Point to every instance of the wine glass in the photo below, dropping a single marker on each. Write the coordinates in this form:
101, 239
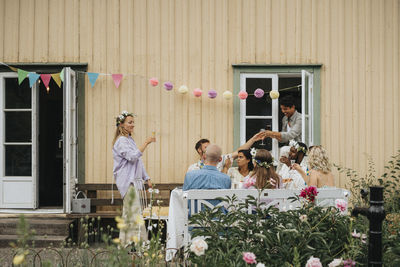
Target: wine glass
262, 141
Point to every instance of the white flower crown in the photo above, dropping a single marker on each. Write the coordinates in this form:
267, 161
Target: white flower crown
260, 163
120, 118
298, 147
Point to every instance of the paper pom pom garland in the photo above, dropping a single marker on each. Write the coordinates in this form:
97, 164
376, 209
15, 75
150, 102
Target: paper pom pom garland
259, 93
168, 86
212, 94
274, 94
197, 92
227, 95
153, 81
183, 89
243, 95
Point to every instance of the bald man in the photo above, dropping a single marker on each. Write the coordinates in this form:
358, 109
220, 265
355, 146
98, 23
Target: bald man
208, 177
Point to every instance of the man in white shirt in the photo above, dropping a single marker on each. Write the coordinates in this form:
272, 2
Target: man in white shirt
202, 144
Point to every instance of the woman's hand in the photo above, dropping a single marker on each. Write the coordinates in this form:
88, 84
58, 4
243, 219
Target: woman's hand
149, 184
296, 167
151, 139
227, 165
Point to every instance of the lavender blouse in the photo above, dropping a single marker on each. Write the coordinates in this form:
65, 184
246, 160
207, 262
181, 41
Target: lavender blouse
128, 165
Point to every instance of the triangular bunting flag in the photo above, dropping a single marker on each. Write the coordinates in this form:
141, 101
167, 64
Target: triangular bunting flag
62, 75
117, 79
21, 75
33, 78
46, 79
56, 78
12, 68
93, 77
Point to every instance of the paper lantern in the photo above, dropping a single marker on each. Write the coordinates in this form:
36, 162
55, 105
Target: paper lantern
212, 94
243, 95
153, 81
227, 95
183, 89
168, 86
197, 92
274, 94
259, 93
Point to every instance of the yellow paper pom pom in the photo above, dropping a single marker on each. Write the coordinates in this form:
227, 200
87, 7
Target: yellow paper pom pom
274, 94
183, 89
227, 95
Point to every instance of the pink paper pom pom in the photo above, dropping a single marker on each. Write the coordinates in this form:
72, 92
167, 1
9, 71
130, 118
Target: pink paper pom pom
168, 86
212, 94
259, 93
153, 81
197, 92
243, 95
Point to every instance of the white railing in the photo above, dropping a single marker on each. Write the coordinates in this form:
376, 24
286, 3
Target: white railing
195, 200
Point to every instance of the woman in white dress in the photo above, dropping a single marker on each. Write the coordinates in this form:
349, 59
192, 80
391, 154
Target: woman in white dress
245, 166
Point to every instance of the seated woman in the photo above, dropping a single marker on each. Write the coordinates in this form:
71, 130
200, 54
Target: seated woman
320, 169
263, 175
245, 165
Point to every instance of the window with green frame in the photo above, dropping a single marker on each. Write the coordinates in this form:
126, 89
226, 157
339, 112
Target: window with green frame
256, 114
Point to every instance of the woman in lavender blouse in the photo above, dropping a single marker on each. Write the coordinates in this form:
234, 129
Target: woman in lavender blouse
129, 174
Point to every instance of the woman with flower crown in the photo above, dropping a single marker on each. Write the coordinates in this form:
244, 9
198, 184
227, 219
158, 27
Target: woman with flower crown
263, 174
129, 173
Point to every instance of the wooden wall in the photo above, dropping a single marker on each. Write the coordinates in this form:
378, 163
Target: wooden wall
194, 42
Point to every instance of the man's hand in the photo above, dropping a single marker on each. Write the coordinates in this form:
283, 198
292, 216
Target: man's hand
258, 136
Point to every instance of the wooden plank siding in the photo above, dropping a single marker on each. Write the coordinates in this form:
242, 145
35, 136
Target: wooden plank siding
195, 43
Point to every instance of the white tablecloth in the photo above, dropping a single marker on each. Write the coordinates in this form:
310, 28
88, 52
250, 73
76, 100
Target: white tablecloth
175, 224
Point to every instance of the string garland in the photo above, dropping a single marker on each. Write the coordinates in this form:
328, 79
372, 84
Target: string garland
154, 82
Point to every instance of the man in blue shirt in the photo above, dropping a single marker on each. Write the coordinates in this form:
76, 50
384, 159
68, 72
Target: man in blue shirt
208, 177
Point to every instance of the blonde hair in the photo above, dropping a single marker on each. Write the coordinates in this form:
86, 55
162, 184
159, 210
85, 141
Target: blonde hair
318, 159
120, 131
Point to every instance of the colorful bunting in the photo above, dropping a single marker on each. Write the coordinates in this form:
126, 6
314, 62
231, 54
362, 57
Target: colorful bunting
62, 75
117, 79
33, 78
12, 68
46, 79
93, 77
22, 75
56, 77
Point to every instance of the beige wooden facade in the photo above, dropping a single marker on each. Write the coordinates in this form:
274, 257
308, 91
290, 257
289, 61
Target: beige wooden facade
195, 42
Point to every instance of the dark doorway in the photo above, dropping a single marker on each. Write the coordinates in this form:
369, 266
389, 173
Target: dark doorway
50, 146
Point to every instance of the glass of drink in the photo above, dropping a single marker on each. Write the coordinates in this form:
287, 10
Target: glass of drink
262, 141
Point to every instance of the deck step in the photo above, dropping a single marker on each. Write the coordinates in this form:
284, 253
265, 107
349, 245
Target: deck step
37, 242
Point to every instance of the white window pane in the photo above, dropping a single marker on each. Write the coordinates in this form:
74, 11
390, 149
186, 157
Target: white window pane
18, 160
18, 126
258, 106
17, 96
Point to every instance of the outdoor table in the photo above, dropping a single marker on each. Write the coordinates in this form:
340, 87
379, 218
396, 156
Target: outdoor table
175, 224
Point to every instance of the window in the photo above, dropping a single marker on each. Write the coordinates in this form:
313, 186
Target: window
257, 114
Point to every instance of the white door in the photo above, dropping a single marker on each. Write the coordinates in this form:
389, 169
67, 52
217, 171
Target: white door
70, 137
259, 113
307, 131
18, 143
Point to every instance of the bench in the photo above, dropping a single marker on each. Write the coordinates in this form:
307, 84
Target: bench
195, 200
100, 195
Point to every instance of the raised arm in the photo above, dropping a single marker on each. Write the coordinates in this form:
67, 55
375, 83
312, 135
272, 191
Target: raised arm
248, 144
300, 170
149, 140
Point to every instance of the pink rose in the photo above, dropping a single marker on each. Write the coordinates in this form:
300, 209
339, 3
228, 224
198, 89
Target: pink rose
249, 182
341, 204
313, 262
249, 257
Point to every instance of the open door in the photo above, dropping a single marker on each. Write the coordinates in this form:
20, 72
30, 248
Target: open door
18, 143
69, 137
307, 131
